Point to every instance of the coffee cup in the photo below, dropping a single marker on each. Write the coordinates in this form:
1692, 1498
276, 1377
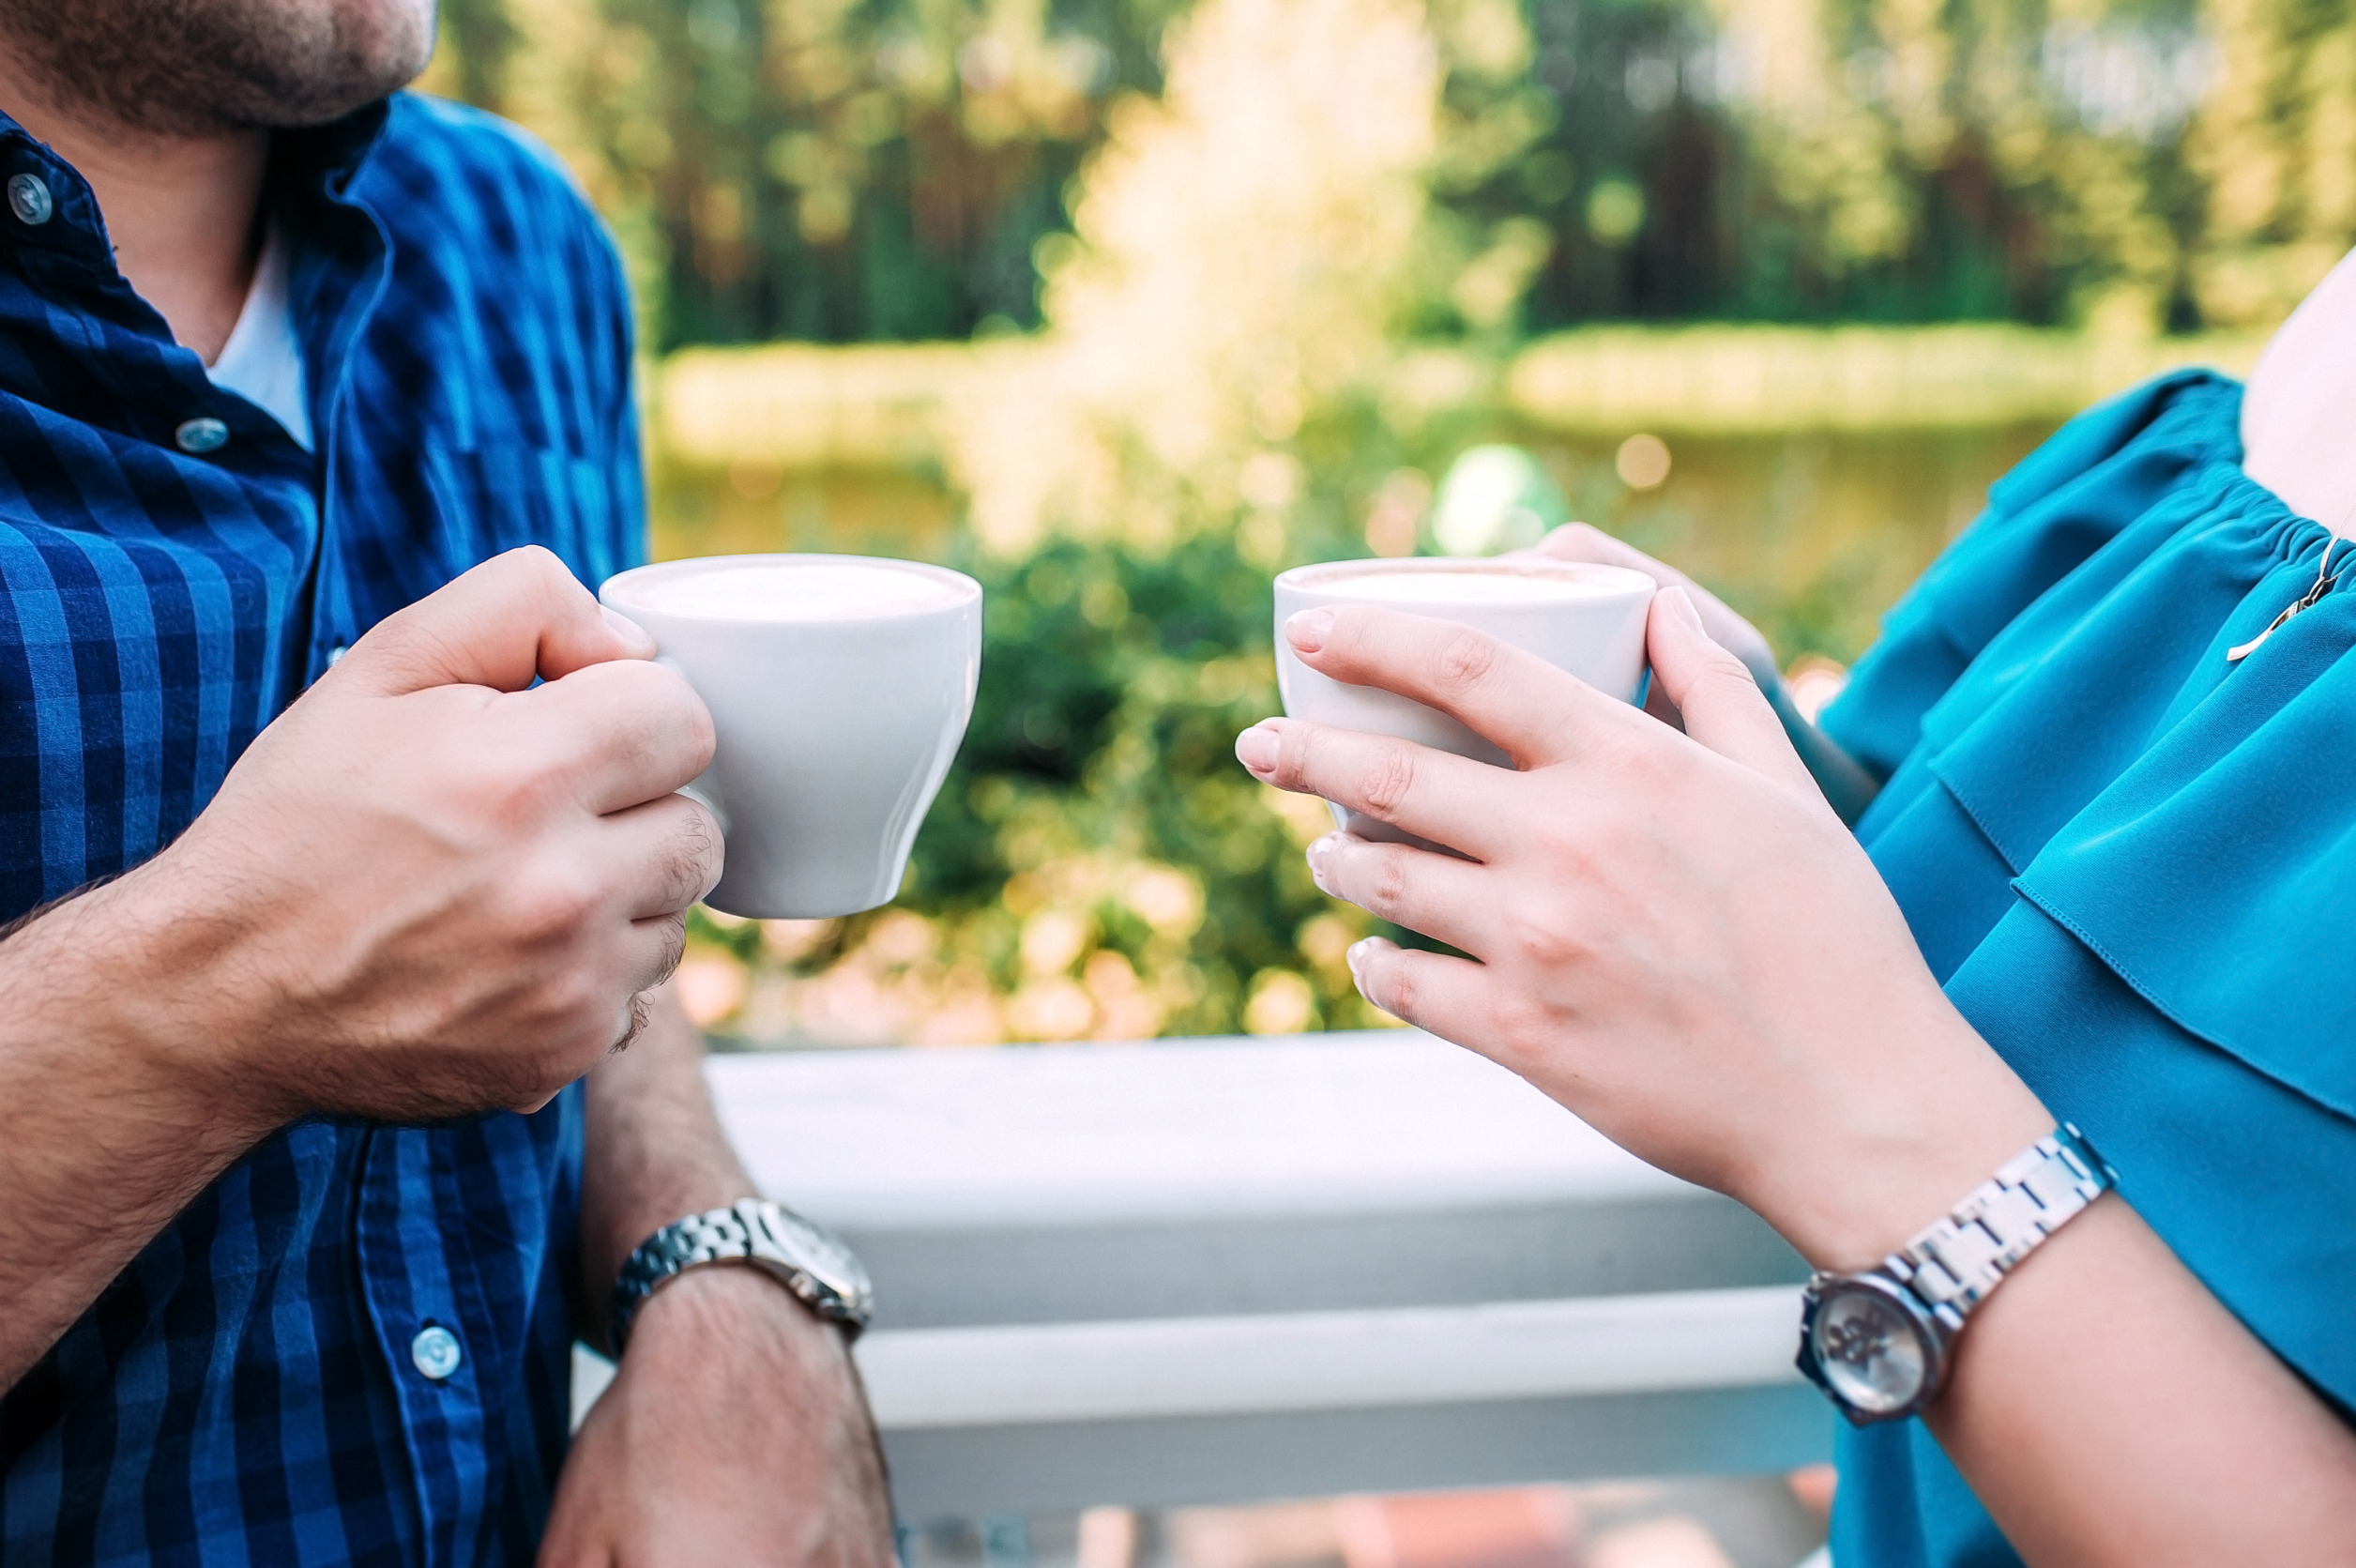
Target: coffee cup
839, 688
1586, 618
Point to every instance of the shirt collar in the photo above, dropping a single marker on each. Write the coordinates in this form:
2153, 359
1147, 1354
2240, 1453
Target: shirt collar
47, 205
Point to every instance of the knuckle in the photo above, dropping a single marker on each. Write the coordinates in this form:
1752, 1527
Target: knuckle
1542, 938
1631, 757
673, 951
1467, 658
550, 906
1386, 888
514, 788
1524, 1028
1728, 665
1560, 846
1296, 747
1390, 782
701, 737
1724, 678
538, 562
633, 1025
1400, 995
690, 867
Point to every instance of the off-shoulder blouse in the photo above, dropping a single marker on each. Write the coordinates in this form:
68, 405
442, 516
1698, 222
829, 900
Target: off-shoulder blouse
2132, 863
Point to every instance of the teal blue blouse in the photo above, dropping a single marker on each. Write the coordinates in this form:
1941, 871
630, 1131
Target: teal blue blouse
2132, 865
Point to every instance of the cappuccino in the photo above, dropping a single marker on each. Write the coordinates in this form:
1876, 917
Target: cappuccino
1464, 584
839, 688
1584, 618
789, 589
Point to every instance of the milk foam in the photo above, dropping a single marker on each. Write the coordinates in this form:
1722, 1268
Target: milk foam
795, 590
1503, 585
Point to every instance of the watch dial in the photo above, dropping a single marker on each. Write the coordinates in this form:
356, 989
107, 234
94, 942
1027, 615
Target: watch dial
1870, 1351
834, 1265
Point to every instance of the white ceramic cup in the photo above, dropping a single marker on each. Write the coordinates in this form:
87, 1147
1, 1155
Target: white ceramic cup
838, 698
1586, 620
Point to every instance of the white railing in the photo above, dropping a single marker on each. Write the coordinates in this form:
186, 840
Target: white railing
1223, 1269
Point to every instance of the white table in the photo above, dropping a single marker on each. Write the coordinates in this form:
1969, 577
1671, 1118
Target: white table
1223, 1269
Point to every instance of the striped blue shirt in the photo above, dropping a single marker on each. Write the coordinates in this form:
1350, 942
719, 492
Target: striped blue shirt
354, 1346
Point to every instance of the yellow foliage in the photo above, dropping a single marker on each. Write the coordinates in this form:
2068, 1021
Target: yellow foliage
2276, 140
1239, 249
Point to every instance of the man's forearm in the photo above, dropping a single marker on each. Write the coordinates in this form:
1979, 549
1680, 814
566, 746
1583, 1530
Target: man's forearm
105, 1133
735, 1429
656, 1151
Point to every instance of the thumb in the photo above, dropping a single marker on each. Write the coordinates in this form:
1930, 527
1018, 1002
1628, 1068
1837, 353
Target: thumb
514, 616
1722, 705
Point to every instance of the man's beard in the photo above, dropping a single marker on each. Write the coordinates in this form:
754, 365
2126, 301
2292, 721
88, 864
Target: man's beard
200, 67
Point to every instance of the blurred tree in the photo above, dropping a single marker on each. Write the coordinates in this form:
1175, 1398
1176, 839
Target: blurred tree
2275, 144
835, 170
842, 170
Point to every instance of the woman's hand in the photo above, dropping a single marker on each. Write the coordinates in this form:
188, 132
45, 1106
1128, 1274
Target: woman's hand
1671, 933
1585, 542
1848, 787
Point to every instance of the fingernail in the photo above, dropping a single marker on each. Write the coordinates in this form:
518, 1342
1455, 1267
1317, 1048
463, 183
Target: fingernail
1255, 748
1360, 951
1682, 603
634, 637
1309, 630
1319, 853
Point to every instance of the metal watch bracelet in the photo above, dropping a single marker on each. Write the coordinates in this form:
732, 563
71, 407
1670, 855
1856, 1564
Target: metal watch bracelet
810, 1260
1880, 1343
1952, 1264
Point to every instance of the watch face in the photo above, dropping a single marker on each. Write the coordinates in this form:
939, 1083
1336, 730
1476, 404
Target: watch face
1874, 1352
823, 1257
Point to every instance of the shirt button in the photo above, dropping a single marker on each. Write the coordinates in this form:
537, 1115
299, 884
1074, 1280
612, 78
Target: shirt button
435, 1351
202, 436
28, 198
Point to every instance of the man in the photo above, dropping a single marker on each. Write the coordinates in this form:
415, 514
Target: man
303, 1196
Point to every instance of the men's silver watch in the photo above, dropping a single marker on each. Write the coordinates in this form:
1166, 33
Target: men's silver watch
1880, 1343
809, 1259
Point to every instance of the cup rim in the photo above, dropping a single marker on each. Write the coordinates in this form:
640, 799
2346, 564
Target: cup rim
1623, 579
614, 591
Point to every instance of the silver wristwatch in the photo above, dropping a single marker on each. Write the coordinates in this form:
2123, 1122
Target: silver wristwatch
1880, 1343
809, 1259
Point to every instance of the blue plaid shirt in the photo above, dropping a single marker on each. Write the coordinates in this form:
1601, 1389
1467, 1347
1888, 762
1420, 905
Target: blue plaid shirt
253, 1388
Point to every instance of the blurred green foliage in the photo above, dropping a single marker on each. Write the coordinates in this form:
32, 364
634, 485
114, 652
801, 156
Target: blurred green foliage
1096, 863
1271, 263
853, 170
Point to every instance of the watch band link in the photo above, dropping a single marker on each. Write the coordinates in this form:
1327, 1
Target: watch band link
1953, 1265
754, 1231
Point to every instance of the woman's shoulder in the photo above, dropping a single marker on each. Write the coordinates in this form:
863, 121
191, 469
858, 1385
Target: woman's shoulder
2162, 427
2168, 449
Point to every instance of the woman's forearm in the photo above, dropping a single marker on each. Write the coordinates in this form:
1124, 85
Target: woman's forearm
2109, 1410
1846, 784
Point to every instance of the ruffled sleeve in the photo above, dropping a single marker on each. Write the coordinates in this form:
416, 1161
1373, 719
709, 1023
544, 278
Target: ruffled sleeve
2063, 502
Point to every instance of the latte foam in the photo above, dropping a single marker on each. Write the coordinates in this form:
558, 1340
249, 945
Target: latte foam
1502, 585
795, 590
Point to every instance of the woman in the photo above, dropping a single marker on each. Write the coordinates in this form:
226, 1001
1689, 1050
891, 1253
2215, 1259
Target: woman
2103, 873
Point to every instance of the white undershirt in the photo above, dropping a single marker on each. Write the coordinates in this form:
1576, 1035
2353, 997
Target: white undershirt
263, 360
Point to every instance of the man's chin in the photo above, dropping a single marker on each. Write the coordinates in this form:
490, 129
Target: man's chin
199, 66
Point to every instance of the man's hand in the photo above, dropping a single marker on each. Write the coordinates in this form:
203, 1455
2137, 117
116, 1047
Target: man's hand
433, 886
734, 1432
